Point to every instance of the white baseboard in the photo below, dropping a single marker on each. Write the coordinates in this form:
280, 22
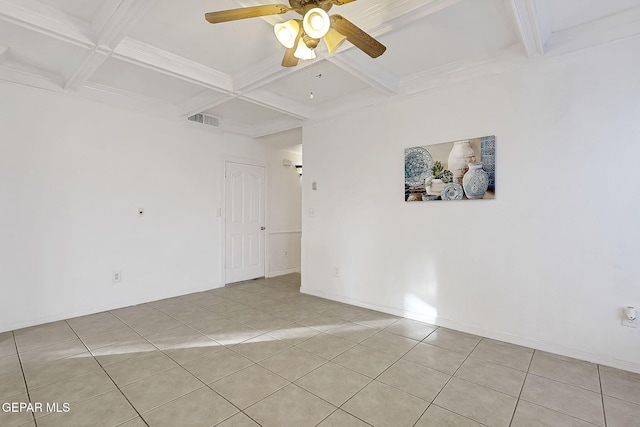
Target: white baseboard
283, 272
100, 308
549, 347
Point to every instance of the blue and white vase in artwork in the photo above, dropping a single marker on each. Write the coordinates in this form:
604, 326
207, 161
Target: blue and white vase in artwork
475, 182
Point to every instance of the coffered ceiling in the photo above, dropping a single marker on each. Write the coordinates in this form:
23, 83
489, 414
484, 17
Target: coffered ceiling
162, 56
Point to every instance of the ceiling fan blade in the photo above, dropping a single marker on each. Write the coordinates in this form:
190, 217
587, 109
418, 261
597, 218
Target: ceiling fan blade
357, 37
289, 59
246, 12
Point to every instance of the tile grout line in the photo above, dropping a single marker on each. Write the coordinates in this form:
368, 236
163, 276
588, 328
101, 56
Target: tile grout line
450, 378
189, 326
275, 373
540, 375
526, 375
246, 415
254, 364
316, 368
107, 374
434, 397
205, 385
162, 351
227, 347
348, 413
338, 407
226, 316
557, 410
286, 379
24, 377
144, 338
389, 367
604, 411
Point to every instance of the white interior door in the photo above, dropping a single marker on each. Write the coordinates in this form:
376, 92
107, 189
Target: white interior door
244, 222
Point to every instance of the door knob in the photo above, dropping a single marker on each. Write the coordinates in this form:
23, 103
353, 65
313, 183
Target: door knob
263, 228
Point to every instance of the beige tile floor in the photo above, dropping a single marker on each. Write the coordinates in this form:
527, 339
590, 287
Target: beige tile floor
261, 353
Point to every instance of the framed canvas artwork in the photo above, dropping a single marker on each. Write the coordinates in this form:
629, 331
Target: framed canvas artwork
457, 170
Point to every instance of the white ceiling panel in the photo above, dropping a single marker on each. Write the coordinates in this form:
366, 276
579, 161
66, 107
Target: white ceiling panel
39, 51
81, 9
128, 77
231, 47
325, 80
565, 14
461, 31
245, 112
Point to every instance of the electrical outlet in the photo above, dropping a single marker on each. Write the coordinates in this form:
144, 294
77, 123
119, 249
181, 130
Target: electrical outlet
336, 272
286, 253
630, 317
116, 277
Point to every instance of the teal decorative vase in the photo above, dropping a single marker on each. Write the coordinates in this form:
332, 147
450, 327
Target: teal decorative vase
475, 182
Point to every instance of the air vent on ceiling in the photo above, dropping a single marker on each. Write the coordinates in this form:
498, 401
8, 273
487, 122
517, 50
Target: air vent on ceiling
205, 120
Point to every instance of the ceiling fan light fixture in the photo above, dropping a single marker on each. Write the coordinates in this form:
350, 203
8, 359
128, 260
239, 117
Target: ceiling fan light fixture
303, 52
333, 39
316, 23
301, 36
287, 32
309, 42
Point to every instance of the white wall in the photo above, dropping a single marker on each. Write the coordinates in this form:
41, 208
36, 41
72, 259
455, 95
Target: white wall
284, 197
548, 264
73, 174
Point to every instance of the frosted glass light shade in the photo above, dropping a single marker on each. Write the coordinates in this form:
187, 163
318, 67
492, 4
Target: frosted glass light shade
333, 40
303, 52
316, 23
287, 32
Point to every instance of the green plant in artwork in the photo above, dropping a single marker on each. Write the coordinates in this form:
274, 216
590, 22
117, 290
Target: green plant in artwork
439, 172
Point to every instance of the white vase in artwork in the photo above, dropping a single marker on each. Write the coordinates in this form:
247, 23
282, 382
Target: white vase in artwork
434, 187
475, 181
459, 158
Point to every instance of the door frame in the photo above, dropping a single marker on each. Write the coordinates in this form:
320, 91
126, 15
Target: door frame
223, 222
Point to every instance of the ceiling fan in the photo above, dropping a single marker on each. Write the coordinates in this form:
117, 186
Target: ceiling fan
302, 36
